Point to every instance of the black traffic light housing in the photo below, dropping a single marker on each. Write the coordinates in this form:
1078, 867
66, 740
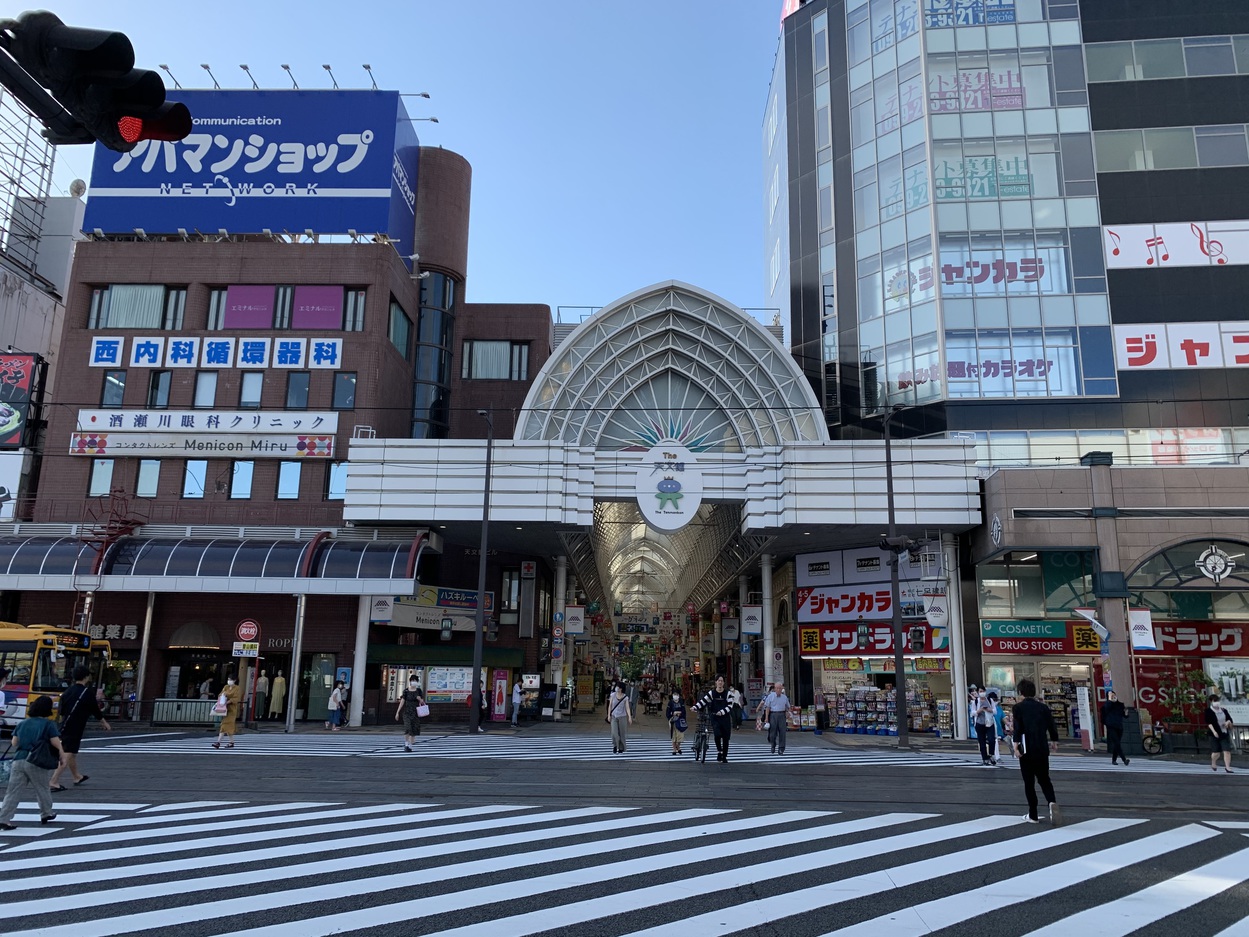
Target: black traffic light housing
91, 75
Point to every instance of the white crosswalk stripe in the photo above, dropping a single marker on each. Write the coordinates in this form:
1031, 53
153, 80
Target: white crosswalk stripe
306, 869
746, 749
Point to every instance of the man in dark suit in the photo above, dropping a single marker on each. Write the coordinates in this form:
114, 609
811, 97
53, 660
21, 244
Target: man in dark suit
1035, 736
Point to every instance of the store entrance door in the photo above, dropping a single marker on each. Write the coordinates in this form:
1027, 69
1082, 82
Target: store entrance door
1059, 682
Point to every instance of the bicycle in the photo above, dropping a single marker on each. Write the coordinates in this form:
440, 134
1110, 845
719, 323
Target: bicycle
702, 736
1151, 743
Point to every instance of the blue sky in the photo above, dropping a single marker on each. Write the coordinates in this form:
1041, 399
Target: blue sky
613, 144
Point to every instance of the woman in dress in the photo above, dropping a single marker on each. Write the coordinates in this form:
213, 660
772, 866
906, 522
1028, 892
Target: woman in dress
229, 722
717, 703
410, 700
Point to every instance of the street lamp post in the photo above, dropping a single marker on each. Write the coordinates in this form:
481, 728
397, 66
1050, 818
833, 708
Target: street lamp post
896, 547
474, 716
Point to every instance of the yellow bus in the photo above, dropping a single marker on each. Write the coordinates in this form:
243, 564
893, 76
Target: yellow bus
41, 660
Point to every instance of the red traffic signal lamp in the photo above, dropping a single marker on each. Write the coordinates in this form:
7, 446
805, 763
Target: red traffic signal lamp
91, 74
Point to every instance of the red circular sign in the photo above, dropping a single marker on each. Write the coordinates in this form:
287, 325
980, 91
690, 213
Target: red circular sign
248, 630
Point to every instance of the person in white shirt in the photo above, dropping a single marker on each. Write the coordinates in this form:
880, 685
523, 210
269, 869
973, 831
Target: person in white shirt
774, 709
516, 696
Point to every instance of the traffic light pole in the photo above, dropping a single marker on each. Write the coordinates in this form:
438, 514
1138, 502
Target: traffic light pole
895, 561
474, 716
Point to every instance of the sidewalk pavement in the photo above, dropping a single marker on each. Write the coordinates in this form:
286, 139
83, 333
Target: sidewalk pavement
592, 723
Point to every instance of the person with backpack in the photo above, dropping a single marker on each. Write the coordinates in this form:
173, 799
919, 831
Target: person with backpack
986, 727
78, 704
1035, 736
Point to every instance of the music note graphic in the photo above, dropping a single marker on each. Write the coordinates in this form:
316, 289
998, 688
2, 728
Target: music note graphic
1117, 240
1157, 242
1211, 248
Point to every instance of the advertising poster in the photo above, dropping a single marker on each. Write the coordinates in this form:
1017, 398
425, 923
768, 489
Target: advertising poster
17, 379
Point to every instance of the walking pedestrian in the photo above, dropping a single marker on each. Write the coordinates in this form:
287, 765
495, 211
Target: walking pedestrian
1113, 714
36, 737
677, 720
619, 717
774, 709
716, 702
78, 704
985, 725
411, 701
335, 707
739, 703
262, 695
517, 695
229, 722
1219, 725
1035, 736
973, 702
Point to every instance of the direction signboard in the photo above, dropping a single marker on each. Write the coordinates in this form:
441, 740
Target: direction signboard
246, 649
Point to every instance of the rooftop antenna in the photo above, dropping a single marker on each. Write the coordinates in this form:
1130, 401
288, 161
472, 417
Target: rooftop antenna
287, 69
331, 74
255, 87
165, 69
216, 87
369, 69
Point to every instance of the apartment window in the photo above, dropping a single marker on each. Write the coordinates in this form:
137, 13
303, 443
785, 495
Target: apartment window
1222, 146
336, 481
353, 311
250, 388
297, 384
495, 361
158, 384
510, 599
288, 480
344, 390
137, 306
194, 475
101, 478
241, 479
400, 329
216, 309
149, 478
114, 392
205, 389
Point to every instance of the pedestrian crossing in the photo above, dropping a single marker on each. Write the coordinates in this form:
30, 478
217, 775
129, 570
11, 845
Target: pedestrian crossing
745, 748
312, 868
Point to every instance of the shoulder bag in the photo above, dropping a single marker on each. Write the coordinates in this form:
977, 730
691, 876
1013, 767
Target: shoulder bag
43, 755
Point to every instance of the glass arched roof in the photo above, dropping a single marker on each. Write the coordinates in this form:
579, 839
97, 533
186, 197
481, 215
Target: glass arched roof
671, 363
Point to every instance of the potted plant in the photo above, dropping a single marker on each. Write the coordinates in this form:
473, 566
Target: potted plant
1183, 702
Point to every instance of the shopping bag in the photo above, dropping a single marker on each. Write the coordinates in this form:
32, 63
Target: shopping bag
422, 711
222, 706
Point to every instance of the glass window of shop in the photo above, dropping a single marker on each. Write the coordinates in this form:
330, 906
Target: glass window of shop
1035, 584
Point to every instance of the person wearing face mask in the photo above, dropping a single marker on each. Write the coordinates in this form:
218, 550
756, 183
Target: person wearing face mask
619, 717
678, 721
411, 701
232, 695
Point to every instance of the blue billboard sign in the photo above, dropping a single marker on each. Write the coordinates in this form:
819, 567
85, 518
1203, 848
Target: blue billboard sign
328, 161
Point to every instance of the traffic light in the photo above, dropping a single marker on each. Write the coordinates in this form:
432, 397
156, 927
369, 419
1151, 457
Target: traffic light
91, 74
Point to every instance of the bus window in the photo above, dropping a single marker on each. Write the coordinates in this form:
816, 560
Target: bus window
53, 676
18, 664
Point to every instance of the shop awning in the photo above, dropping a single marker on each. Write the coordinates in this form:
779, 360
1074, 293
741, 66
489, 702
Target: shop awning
320, 565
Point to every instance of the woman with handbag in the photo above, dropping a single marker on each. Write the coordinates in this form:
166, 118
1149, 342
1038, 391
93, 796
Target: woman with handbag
619, 717
229, 700
412, 707
39, 752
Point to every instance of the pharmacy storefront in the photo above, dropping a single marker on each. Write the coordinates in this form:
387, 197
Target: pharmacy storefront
845, 630
1059, 657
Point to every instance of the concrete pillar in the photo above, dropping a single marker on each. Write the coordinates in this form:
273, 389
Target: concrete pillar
560, 599
355, 702
770, 675
958, 656
743, 598
297, 649
143, 651
1110, 610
